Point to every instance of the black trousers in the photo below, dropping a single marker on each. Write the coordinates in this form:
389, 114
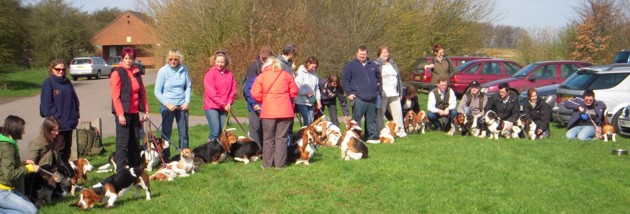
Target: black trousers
63, 143
127, 142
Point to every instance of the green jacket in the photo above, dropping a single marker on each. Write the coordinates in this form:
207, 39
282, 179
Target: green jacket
11, 171
42, 152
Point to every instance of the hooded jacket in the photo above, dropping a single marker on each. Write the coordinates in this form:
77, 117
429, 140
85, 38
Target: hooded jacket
11, 172
219, 88
307, 82
58, 99
574, 104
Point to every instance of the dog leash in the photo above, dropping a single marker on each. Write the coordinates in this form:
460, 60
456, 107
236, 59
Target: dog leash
151, 138
237, 122
162, 133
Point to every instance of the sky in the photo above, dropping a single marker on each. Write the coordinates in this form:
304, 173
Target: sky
517, 13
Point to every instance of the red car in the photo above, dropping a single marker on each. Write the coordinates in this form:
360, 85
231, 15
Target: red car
482, 70
536, 75
421, 78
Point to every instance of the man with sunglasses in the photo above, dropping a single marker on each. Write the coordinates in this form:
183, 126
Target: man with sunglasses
587, 117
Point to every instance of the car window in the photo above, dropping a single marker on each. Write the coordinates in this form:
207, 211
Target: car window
511, 68
525, 71
80, 61
473, 69
567, 69
545, 72
605, 81
491, 68
577, 81
622, 57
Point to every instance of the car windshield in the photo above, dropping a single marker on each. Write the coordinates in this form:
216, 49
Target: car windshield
525, 71
622, 57
80, 61
462, 66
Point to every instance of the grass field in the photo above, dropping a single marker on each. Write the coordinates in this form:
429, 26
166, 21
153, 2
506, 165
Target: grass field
430, 173
17, 82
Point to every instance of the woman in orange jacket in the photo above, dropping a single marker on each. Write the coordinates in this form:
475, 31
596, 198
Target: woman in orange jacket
275, 89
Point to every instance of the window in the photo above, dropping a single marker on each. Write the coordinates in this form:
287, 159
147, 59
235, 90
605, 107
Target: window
567, 70
511, 68
545, 72
606, 81
491, 68
473, 69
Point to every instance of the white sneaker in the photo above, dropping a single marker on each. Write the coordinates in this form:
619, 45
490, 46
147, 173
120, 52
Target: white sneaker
401, 134
373, 141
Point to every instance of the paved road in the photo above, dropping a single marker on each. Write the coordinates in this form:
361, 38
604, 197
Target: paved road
95, 99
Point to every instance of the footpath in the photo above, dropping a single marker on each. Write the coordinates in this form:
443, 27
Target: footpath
95, 102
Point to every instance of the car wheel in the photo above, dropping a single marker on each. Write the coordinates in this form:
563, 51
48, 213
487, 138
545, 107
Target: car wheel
615, 121
98, 74
75, 78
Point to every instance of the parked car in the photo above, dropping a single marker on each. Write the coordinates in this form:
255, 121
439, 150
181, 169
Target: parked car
611, 84
421, 77
537, 74
624, 121
546, 93
115, 60
482, 70
622, 57
89, 67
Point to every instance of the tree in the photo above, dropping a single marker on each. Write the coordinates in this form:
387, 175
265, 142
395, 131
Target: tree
10, 31
599, 22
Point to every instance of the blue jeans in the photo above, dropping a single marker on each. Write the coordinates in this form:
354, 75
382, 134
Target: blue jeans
583, 133
366, 109
15, 202
216, 121
306, 112
434, 118
167, 127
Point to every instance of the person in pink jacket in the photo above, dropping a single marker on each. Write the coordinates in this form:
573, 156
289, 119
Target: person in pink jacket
219, 93
275, 89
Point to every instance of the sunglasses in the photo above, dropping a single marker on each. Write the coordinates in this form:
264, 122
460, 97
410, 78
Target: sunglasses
60, 69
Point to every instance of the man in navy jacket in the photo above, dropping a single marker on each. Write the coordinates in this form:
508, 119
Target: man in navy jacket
362, 83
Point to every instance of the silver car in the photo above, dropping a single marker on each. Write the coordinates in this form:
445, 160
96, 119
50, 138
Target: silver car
624, 121
89, 67
611, 84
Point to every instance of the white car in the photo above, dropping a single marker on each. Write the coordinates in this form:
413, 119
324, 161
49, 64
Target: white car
89, 67
611, 84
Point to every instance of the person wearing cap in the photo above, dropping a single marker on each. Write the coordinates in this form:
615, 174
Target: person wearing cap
442, 103
473, 101
539, 112
587, 117
253, 107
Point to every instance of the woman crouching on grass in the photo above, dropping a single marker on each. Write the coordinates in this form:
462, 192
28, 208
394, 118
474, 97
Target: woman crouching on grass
42, 150
275, 89
12, 173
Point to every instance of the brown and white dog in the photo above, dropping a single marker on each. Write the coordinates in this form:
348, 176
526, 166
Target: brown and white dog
352, 147
185, 164
116, 186
527, 126
408, 120
242, 149
496, 127
330, 134
608, 130
388, 134
75, 170
151, 154
420, 121
302, 147
465, 124
212, 151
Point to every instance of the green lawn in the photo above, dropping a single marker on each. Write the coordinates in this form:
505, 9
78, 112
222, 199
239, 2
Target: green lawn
17, 82
430, 173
